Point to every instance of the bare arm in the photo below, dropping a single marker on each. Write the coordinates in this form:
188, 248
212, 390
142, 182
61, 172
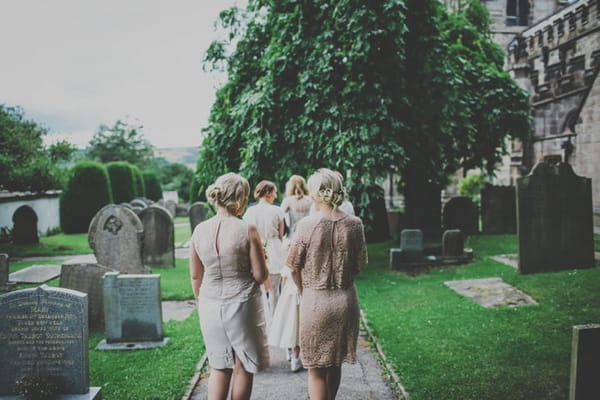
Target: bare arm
196, 271
258, 264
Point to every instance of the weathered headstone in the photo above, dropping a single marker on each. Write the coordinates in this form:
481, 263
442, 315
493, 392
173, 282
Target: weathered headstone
410, 253
453, 243
132, 310
198, 212
44, 332
159, 237
116, 236
25, 229
461, 213
5, 284
87, 278
554, 219
585, 362
171, 206
138, 202
499, 209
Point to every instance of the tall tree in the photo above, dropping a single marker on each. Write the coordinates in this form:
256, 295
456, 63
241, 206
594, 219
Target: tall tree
26, 164
121, 142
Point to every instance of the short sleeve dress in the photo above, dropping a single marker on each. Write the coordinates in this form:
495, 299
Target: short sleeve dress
232, 318
329, 254
266, 217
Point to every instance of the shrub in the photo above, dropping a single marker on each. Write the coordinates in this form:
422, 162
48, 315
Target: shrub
87, 191
471, 187
153, 188
121, 181
138, 182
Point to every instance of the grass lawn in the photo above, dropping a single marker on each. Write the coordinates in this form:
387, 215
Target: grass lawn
445, 346
54, 245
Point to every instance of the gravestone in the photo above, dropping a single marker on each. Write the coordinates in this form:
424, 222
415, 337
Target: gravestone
5, 284
410, 253
126, 205
499, 209
25, 229
159, 237
132, 311
87, 278
461, 213
44, 332
138, 202
171, 206
491, 292
585, 362
116, 236
198, 212
554, 219
453, 243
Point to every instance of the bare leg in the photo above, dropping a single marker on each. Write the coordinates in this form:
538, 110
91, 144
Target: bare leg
218, 384
317, 383
333, 377
296, 351
241, 387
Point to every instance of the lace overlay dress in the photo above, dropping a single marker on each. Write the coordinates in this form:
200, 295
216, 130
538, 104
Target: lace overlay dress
329, 254
230, 307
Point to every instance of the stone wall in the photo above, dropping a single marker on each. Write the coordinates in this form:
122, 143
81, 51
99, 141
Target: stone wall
45, 206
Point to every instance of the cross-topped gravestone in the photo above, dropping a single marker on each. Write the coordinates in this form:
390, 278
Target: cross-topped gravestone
554, 214
116, 236
198, 212
44, 332
159, 237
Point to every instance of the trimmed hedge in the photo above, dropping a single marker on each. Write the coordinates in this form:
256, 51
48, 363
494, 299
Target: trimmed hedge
138, 182
153, 187
121, 181
87, 191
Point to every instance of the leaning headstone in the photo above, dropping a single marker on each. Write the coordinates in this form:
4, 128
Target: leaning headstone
198, 212
410, 253
159, 237
132, 312
499, 209
461, 213
116, 236
554, 219
585, 362
44, 334
171, 205
25, 229
87, 278
5, 284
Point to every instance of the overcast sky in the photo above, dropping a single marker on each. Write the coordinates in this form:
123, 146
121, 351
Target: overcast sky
75, 64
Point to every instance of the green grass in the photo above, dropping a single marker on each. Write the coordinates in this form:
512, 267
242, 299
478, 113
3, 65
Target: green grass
597, 242
54, 245
175, 282
445, 346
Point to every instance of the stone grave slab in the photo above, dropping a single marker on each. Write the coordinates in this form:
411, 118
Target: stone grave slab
177, 310
512, 260
44, 331
491, 292
36, 274
585, 362
132, 312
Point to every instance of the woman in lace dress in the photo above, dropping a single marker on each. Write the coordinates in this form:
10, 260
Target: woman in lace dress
268, 219
325, 256
227, 265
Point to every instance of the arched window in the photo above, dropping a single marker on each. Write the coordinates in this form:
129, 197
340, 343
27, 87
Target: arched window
517, 12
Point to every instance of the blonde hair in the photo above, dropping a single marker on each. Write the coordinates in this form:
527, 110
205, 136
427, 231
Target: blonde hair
326, 186
230, 191
263, 188
296, 186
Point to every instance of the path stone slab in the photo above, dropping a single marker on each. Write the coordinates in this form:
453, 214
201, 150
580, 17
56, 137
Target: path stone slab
512, 260
491, 292
177, 310
36, 274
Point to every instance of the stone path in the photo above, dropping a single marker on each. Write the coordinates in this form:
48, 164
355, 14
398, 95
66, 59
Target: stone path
360, 381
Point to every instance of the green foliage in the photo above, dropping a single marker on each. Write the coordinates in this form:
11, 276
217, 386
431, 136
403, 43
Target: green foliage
121, 181
138, 182
152, 185
87, 191
471, 186
25, 163
178, 177
121, 142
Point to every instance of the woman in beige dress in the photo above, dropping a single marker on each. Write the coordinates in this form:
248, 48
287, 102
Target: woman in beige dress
325, 256
227, 265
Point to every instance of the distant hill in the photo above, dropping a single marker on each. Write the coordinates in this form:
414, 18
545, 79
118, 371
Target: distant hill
181, 155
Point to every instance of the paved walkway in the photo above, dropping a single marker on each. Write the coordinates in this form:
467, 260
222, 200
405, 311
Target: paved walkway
360, 381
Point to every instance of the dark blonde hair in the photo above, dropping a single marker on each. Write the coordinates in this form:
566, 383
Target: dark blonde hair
230, 191
263, 188
326, 186
296, 186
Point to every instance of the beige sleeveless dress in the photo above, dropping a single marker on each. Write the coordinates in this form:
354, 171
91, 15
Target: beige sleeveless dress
329, 254
230, 307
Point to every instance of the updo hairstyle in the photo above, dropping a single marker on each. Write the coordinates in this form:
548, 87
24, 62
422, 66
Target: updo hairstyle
326, 186
229, 191
264, 188
296, 186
